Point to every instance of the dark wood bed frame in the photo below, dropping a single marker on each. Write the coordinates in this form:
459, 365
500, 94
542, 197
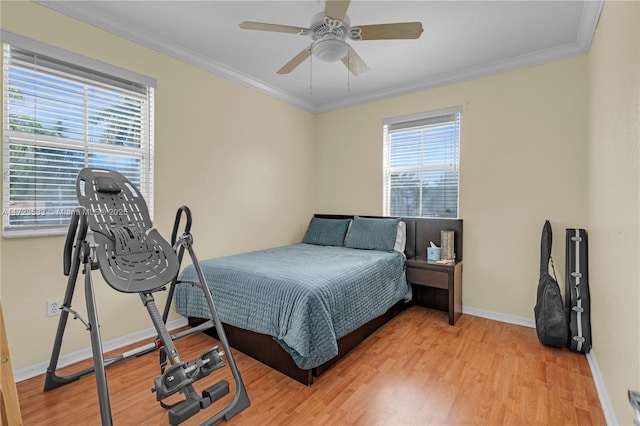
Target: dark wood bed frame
263, 348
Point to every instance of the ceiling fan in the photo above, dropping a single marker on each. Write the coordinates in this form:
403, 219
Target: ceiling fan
329, 31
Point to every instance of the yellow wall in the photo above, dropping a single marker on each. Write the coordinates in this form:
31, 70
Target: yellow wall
522, 160
240, 159
614, 199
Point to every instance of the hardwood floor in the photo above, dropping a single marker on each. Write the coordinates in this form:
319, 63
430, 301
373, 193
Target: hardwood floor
418, 370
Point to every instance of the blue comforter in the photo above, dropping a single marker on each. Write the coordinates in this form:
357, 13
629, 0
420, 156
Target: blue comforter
305, 296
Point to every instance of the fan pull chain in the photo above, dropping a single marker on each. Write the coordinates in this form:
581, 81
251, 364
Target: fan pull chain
311, 75
348, 71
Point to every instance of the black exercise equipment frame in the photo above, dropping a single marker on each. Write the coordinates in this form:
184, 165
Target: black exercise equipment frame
80, 253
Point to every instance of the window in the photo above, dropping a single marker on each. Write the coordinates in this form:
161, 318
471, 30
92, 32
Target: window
421, 158
61, 116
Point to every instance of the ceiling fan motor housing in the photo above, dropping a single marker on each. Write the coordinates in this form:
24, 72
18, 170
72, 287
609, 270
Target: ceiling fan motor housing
329, 37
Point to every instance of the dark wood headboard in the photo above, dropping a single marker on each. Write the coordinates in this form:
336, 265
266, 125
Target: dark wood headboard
420, 231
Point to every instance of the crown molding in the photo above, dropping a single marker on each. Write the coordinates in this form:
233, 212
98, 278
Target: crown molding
512, 64
96, 18
588, 23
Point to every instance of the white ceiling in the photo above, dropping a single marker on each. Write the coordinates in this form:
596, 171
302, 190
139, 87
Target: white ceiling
461, 40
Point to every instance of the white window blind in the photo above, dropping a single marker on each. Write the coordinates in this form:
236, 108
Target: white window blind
58, 118
421, 162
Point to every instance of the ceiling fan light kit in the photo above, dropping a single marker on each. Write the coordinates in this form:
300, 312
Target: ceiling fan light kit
329, 33
329, 48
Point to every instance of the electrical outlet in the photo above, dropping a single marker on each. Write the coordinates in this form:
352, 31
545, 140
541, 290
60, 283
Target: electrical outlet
53, 307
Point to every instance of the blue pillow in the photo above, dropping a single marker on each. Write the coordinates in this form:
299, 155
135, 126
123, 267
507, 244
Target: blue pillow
373, 234
326, 232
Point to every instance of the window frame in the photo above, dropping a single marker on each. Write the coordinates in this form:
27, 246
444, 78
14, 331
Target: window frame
430, 117
114, 83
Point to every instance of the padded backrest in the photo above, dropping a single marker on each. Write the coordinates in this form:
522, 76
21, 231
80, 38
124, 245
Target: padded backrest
111, 200
132, 256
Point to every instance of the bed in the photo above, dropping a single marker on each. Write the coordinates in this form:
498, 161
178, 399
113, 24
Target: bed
300, 308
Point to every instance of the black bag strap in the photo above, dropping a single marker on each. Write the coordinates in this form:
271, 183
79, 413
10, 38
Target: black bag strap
553, 268
545, 249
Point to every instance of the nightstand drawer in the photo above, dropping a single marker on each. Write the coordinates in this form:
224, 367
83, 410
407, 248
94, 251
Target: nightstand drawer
435, 279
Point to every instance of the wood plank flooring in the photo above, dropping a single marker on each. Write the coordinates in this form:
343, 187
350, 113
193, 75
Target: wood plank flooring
417, 370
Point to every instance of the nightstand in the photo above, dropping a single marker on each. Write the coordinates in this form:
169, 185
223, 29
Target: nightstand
436, 286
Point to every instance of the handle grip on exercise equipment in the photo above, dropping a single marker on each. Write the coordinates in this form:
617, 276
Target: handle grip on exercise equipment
72, 232
176, 224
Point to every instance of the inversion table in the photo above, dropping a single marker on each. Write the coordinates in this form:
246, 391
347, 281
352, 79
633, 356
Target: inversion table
134, 258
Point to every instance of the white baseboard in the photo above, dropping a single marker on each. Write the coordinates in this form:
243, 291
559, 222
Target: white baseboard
605, 402
80, 355
498, 316
603, 395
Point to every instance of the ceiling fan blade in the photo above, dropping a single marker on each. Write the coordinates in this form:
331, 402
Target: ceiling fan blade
354, 62
404, 30
336, 9
297, 60
262, 26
